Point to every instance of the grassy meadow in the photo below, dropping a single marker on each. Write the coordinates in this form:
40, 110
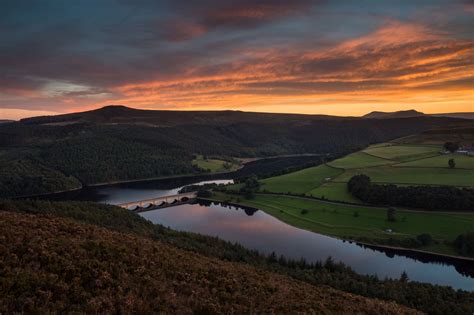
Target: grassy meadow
214, 165
403, 152
358, 160
414, 176
301, 181
384, 163
441, 161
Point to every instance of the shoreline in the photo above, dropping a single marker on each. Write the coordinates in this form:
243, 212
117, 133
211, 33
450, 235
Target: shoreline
376, 246
413, 250
362, 205
48, 193
119, 182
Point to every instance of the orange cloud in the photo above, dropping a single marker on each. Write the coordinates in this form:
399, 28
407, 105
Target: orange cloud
402, 65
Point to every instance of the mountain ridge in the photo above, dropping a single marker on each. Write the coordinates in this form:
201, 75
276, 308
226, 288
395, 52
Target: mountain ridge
123, 114
397, 114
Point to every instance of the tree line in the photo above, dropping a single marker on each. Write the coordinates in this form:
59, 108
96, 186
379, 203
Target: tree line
447, 198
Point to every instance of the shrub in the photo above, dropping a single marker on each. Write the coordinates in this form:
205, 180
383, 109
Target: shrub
204, 193
391, 214
452, 163
424, 239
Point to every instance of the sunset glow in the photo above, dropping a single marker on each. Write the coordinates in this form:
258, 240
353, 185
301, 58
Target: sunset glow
320, 57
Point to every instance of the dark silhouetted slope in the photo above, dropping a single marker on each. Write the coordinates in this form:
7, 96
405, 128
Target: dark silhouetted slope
466, 115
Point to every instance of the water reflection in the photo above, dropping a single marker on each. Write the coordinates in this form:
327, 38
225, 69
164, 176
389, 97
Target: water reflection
126, 192
464, 267
257, 230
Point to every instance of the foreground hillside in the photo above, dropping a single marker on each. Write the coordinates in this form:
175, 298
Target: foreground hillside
56, 265
115, 143
424, 297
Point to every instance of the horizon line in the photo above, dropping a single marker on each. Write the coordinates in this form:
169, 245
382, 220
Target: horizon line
50, 114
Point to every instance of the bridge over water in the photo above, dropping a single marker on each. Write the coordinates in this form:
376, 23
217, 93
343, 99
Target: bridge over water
159, 202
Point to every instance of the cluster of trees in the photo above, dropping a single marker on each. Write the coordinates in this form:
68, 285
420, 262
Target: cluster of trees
426, 197
424, 297
451, 146
417, 242
190, 188
464, 243
250, 186
23, 177
104, 159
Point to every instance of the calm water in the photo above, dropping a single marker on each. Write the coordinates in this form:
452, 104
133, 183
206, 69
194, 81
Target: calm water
257, 230
126, 192
265, 233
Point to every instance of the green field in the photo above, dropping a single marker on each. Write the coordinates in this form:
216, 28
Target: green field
410, 165
462, 161
338, 220
302, 181
334, 191
403, 152
359, 160
418, 176
214, 165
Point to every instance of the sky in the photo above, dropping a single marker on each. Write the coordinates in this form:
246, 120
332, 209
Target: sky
300, 56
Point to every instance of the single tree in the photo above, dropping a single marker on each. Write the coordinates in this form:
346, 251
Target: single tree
391, 214
404, 277
356, 214
452, 163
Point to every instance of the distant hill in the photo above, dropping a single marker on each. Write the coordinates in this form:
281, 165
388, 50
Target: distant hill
466, 115
464, 135
118, 114
399, 114
415, 113
4, 121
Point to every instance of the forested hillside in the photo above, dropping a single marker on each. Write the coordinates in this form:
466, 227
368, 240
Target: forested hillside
118, 143
127, 263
